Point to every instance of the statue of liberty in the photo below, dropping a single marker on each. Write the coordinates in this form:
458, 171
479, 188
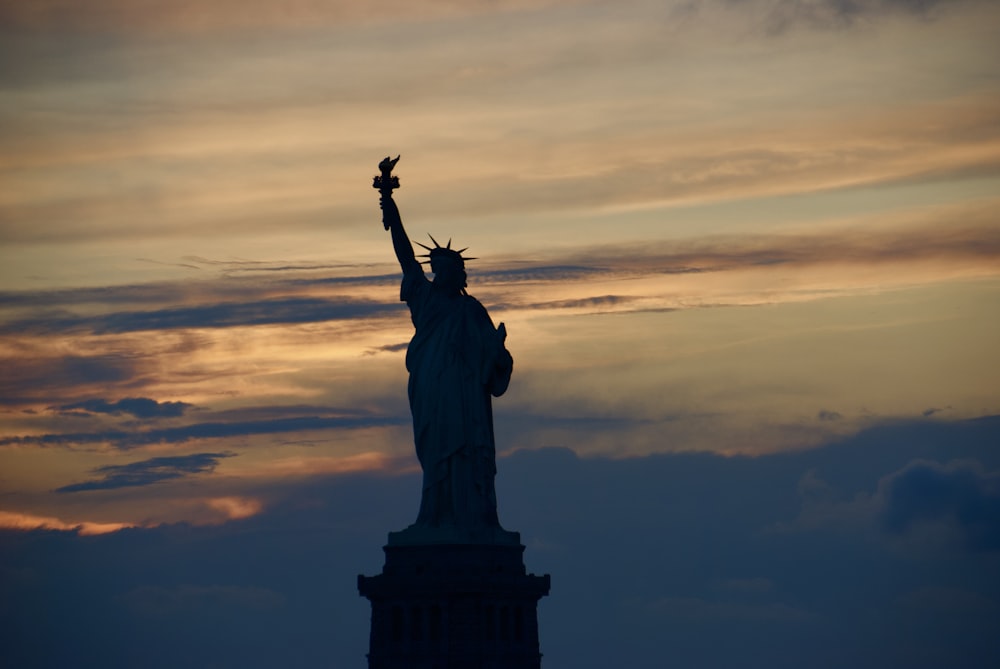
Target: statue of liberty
457, 360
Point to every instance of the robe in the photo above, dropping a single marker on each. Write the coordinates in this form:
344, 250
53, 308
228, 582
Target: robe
456, 361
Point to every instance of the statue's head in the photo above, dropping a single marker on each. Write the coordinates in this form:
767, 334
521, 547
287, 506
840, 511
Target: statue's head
448, 266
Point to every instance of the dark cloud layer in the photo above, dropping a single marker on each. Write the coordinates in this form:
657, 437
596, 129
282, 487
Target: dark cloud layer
33, 378
541, 273
598, 302
733, 252
264, 312
153, 293
140, 407
221, 290
124, 440
783, 15
148, 471
186, 18
667, 555
390, 348
232, 302
960, 494
125, 19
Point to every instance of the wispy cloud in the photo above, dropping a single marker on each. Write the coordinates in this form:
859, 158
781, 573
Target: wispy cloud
589, 303
941, 238
225, 17
140, 407
195, 18
708, 134
124, 440
199, 511
237, 266
31, 374
225, 286
26, 521
936, 236
195, 186
146, 472
781, 15
390, 348
265, 312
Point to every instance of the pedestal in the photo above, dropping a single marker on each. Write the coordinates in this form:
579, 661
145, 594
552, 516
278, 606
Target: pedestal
458, 606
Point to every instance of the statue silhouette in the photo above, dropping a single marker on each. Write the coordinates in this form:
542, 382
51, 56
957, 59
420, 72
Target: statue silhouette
457, 360
454, 591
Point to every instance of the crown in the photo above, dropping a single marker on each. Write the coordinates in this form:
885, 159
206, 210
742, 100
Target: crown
438, 251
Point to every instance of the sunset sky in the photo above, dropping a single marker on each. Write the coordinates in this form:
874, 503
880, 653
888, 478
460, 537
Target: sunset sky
747, 253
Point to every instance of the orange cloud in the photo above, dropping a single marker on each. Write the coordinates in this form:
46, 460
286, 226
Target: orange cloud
319, 465
24, 521
196, 511
235, 508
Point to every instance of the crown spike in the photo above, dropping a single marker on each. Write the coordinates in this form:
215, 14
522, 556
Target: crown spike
463, 250
422, 245
449, 243
434, 240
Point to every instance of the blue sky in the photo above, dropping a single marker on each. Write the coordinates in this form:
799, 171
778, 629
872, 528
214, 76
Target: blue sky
746, 253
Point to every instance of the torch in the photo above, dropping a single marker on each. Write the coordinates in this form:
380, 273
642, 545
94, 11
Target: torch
385, 183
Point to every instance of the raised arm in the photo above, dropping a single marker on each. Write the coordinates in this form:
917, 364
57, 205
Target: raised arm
400, 241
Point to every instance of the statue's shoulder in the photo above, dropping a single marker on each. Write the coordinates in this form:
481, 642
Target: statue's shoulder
472, 302
414, 286
475, 307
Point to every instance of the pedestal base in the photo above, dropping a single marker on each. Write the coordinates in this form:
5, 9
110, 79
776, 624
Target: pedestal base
462, 606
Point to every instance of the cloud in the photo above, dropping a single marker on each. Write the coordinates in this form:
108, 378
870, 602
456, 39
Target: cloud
26, 373
961, 494
235, 508
784, 14
541, 272
226, 17
888, 245
182, 304
682, 534
596, 302
390, 348
140, 407
25, 522
146, 472
124, 440
147, 293
619, 168
231, 285
196, 511
933, 252
187, 18
264, 312
924, 503
934, 238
